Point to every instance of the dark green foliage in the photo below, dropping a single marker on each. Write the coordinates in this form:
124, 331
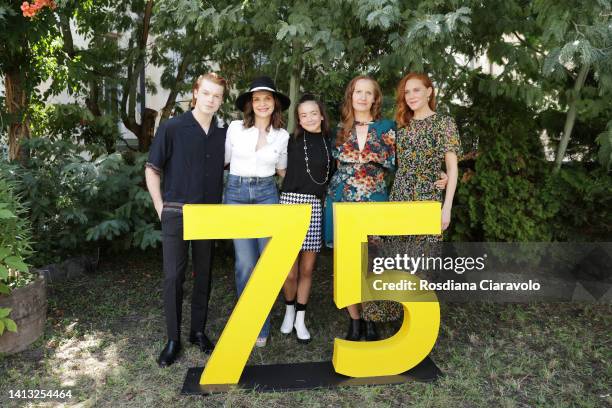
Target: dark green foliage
604, 140
75, 123
535, 52
503, 200
15, 233
509, 193
15, 243
585, 204
80, 200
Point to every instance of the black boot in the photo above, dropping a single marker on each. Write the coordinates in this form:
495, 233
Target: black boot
202, 341
371, 334
169, 353
355, 330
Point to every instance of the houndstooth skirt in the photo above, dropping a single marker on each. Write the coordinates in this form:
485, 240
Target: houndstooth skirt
314, 237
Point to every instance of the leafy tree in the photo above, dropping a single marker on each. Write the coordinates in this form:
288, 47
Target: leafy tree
556, 57
578, 40
108, 72
292, 42
504, 198
548, 60
187, 36
22, 45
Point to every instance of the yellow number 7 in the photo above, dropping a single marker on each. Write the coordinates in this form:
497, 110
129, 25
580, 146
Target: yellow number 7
287, 226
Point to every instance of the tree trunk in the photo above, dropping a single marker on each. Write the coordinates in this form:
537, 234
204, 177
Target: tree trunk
570, 119
146, 129
67, 35
135, 70
93, 100
294, 83
180, 76
143, 131
16, 105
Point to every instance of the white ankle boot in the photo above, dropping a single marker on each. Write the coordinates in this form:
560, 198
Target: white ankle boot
287, 326
303, 336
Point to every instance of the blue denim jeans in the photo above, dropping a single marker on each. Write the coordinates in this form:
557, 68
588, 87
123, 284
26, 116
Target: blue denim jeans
250, 190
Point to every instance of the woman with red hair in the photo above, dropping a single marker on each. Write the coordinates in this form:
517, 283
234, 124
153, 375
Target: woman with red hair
425, 141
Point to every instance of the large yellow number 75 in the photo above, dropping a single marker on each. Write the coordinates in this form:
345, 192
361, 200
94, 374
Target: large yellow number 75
287, 226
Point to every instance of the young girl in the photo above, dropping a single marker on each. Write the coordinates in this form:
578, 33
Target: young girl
256, 149
308, 172
365, 151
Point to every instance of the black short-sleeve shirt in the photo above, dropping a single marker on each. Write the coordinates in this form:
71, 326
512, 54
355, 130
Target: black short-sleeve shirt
190, 160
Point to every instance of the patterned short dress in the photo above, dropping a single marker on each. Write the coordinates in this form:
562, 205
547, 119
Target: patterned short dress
309, 169
421, 147
312, 242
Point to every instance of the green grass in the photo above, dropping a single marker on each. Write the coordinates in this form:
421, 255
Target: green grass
104, 333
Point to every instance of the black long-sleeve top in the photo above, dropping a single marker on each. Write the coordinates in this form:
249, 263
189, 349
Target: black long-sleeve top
297, 179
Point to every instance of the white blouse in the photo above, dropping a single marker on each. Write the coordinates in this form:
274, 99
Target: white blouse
245, 160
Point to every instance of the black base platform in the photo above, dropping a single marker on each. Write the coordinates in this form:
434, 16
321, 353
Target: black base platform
303, 376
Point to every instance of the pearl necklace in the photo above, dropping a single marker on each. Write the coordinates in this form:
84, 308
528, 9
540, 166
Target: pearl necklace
306, 159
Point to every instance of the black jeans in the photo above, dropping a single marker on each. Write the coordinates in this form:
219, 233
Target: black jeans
175, 252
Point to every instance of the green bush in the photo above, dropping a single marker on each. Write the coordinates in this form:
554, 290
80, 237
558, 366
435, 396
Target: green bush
504, 198
510, 193
15, 245
75, 123
585, 203
81, 199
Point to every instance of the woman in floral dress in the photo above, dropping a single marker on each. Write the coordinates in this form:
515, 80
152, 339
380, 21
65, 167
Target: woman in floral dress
365, 152
424, 141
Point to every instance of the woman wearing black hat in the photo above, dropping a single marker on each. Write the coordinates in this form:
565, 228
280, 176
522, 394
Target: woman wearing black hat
256, 149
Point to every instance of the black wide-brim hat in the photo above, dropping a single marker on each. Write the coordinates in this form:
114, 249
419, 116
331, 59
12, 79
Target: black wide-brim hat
262, 83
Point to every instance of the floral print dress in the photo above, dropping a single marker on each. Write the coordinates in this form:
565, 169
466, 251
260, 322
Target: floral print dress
421, 147
360, 175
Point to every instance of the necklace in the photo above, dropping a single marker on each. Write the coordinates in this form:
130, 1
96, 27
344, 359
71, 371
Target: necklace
306, 159
358, 123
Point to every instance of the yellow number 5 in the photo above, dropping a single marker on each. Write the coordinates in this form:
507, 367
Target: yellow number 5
353, 222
